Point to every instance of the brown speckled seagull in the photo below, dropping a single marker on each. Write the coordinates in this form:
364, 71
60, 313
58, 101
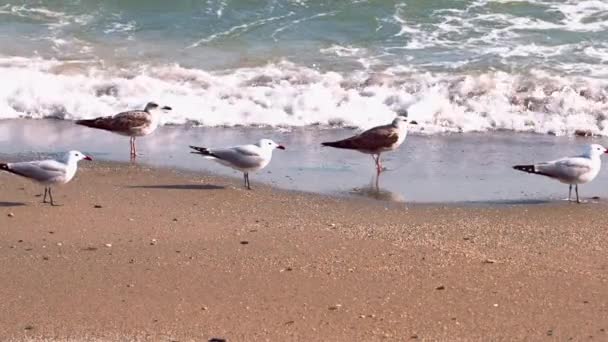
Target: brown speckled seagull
376, 140
134, 123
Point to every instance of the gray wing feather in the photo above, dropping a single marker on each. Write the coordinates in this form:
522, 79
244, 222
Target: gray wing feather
240, 156
566, 169
42, 171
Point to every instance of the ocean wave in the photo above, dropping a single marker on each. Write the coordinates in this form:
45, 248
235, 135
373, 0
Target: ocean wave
286, 94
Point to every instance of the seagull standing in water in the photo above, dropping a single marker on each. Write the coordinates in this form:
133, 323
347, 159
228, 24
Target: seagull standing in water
48, 172
571, 170
134, 123
376, 140
244, 158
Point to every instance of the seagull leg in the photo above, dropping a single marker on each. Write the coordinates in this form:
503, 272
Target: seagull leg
133, 150
51, 196
376, 158
377, 179
576, 190
569, 192
45, 192
131, 147
248, 183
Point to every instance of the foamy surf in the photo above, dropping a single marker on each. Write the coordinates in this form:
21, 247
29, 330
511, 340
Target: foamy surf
286, 94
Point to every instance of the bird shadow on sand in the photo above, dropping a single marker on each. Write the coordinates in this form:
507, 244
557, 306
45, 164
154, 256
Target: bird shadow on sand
11, 204
179, 187
508, 202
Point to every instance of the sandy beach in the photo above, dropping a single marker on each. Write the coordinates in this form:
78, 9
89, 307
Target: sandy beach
464, 237
136, 253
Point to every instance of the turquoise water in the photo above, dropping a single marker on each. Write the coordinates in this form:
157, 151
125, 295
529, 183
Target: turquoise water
455, 66
566, 36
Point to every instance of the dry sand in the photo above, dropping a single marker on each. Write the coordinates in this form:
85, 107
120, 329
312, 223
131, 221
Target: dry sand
173, 256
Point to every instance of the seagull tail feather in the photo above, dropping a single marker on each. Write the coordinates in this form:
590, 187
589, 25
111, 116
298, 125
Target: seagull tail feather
338, 144
88, 123
104, 123
526, 168
5, 167
202, 151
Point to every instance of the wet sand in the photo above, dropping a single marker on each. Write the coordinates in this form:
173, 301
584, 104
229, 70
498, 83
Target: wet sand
170, 255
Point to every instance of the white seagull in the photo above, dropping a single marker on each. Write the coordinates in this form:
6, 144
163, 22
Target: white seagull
134, 123
376, 140
571, 170
244, 158
48, 172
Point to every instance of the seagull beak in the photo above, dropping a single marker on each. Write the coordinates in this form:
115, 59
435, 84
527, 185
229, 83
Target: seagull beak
606, 151
281, 147
166, 108
413, 122
87, 158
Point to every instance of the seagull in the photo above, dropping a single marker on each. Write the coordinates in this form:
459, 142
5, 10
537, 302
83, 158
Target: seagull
134, 123
376, 140
48, 172
244, 158
571, 170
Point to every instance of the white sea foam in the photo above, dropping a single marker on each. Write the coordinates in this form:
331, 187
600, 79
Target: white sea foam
238, 29
120, 27
285, 94
344, 51
480, 30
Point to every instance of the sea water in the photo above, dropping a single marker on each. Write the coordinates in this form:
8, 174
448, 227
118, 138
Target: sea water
521, 78
454, 66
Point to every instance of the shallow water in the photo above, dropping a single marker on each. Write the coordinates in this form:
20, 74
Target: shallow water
439, 168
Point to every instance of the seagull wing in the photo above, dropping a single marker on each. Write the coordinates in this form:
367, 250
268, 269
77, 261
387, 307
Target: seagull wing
565, 169
243, 157
41, 171
370, 140
132, 119
121, 122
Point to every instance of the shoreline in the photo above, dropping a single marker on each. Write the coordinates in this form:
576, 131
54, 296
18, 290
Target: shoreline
191, 257
464, 168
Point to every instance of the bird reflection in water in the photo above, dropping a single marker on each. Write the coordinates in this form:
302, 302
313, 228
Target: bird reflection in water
374, 191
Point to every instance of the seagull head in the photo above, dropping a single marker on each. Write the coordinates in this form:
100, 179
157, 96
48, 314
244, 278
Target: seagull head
595, 150
76, 156
153, 106
402, 120
269, 144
